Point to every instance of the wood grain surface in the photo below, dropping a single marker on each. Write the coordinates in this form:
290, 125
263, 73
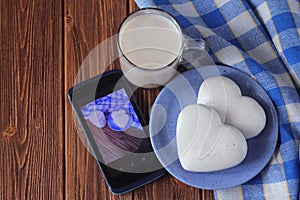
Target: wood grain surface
43, 46
32, 122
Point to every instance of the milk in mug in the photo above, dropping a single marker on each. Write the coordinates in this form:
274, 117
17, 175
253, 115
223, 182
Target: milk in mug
148, 42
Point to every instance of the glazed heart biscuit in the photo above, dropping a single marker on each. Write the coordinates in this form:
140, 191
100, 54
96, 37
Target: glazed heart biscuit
120, 118
204, 143
242, 112
97, 118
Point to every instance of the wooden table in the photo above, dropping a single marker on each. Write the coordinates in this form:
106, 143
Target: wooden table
42, 45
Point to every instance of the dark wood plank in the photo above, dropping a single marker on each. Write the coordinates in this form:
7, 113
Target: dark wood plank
207, 195
87, 23
31, 123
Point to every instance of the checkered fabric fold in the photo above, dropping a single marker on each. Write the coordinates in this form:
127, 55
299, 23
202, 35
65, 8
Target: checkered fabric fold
261, 38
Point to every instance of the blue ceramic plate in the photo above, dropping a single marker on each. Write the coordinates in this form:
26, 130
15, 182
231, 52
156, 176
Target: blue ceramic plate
183, 91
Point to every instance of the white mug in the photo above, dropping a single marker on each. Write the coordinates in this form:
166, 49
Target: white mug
150, 44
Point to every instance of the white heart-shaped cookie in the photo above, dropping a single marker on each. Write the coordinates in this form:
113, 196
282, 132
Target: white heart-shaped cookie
236, 110
97, 118
120, 118
204, 143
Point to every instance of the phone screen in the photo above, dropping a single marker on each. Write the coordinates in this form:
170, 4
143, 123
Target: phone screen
116, 131
115, 126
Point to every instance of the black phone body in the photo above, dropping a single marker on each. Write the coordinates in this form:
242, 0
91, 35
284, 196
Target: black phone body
125, 157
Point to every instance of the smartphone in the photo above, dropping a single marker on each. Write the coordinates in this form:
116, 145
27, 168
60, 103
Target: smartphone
116, 131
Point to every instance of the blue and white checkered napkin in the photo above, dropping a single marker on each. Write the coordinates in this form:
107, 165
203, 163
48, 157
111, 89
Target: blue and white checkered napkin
112, 102
262, 39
